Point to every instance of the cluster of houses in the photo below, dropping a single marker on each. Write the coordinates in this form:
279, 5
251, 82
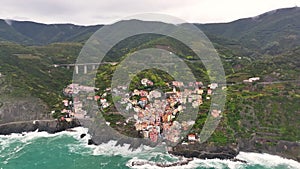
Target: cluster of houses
155, 112
73, 105
76, 96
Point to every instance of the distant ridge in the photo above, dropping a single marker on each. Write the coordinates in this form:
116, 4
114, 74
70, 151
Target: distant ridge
32, 33
272, 33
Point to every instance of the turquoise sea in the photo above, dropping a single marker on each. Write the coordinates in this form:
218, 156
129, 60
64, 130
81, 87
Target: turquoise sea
65, 150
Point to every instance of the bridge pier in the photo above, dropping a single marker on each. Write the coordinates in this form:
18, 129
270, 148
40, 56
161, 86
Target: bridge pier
76, 69
85, 69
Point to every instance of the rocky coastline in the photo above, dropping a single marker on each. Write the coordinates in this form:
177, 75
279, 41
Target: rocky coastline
50, 126
203, 151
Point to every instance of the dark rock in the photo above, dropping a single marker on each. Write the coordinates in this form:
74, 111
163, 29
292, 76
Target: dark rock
286, 149
206, 151
238, 160
50, 126
91, 142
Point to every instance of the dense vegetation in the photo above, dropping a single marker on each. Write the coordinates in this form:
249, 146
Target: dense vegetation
29, 70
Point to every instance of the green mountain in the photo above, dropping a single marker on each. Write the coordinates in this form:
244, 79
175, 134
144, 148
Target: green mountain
29, 71
270, 33
31, 33
8, 33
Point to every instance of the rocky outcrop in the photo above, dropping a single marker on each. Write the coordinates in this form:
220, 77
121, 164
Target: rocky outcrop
206, 151
286, 149
163, 165
102, 133
50, 126
283, 148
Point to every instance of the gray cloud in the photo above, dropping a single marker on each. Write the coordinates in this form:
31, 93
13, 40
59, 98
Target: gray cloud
106, 11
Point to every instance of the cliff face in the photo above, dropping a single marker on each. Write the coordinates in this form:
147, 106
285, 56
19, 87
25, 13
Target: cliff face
22, 109
28, 114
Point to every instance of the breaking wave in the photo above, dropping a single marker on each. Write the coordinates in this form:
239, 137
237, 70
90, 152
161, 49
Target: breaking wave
11, 147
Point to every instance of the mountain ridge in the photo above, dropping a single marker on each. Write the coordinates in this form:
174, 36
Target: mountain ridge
268, 32
33, 33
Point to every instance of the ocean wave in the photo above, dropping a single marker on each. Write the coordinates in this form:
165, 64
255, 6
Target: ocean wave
255, 160
80, 146
267, 160
112, 149
158, 154
195, 163
11, 148
28, 136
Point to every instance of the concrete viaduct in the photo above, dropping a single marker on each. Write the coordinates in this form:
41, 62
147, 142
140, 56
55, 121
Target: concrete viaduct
84, 65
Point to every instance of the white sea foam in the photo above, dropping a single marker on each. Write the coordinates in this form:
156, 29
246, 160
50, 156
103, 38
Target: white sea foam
111, 149
107, 149
268, 160
209, 163
11, 146
37, 134
27, 138
253, 159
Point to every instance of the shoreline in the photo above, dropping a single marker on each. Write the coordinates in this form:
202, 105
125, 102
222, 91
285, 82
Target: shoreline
188, 151
49, 126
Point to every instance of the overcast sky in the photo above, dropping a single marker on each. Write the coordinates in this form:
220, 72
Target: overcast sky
89, 12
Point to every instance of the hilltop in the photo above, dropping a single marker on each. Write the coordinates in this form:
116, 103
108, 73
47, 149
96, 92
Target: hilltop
269, 33
32, 33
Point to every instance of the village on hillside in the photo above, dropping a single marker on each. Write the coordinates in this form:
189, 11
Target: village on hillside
155, 112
